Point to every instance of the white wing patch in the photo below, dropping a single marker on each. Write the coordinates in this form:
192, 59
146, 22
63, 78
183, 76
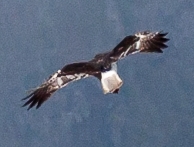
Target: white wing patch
138, 44
62, 81
77, 76
53, 77
70, 78
144, 36
125, 53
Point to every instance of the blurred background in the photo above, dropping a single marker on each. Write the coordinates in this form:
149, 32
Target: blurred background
155, 104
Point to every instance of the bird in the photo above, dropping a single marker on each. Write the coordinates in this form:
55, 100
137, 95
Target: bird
103, 66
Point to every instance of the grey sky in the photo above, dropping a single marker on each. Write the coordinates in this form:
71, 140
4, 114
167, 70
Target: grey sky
155, 104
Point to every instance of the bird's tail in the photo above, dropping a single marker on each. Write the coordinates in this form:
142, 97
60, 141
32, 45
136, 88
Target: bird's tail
111, 82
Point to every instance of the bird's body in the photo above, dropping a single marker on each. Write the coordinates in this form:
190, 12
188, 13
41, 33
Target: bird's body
103, 66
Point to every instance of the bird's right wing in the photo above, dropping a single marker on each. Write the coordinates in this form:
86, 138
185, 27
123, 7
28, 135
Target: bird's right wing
61, 78
140, 42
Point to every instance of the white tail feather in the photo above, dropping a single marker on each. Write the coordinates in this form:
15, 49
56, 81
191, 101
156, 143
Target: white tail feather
110, 81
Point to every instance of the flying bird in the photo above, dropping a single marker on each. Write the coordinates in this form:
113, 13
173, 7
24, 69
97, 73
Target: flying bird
103, 66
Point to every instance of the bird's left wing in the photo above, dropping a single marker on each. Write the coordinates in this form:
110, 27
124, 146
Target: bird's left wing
60, 79
140, 42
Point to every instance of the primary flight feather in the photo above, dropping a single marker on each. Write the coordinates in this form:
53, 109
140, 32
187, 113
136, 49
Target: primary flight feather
103, 66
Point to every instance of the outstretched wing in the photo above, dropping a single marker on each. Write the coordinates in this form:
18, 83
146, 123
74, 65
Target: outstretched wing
61, 78
140, 42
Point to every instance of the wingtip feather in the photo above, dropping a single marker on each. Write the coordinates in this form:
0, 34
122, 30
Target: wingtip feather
37, 97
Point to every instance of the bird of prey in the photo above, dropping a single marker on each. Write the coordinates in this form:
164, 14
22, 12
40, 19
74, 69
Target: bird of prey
103, 66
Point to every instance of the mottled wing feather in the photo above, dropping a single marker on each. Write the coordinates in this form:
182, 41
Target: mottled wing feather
125, 47
140, 42
151, 42
61, 78
38, 96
